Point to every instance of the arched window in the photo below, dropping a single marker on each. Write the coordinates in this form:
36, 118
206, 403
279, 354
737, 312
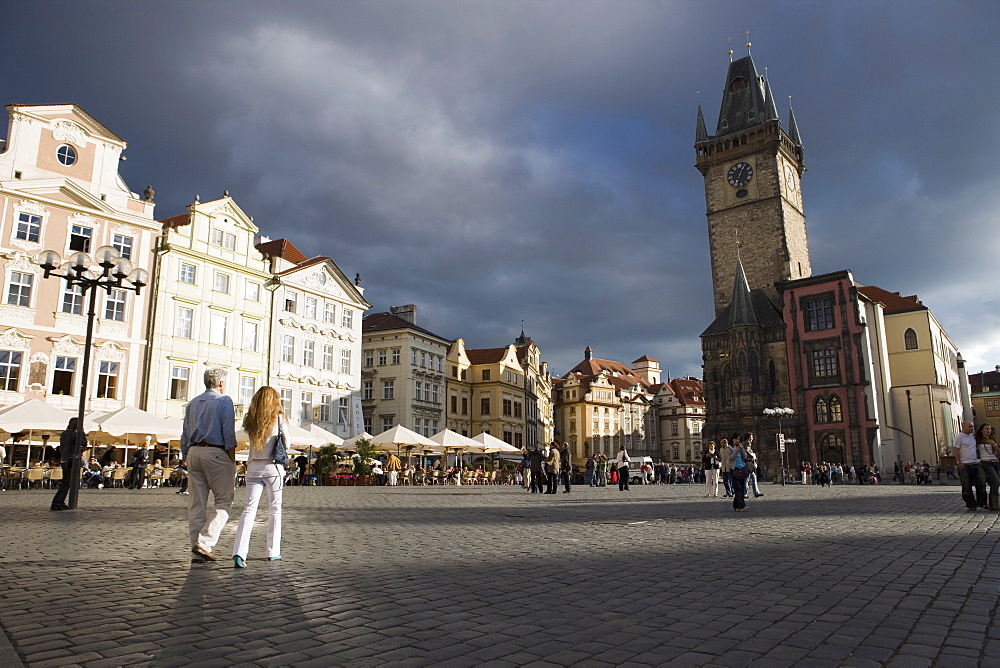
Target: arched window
821, 411
831, 449
727, 387
739, 373
754, 373
772, 378
836, 415
910, 339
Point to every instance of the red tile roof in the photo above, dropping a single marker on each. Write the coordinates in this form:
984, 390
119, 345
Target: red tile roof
376, 322
645, 358
893, 302
594, 366
176, 221
282, 248
689, 392
486, 355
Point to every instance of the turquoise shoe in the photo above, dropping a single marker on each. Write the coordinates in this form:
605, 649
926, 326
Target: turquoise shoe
277, 558
238, 562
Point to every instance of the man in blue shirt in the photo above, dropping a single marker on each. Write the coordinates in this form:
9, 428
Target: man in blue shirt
208, 446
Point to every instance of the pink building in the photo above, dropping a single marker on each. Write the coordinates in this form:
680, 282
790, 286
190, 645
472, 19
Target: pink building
832, 372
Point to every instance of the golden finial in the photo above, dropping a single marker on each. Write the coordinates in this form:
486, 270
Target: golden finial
729, 40
737, 238
748, 41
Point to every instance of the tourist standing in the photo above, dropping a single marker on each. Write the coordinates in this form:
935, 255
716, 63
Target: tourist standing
602, 471
263, 422
552, 468
987, 448
726, 457
208, 446
393, 465
710, 461
969, 470
622, 469
537, 469
566, 466
753, 463
740, 471
592, 471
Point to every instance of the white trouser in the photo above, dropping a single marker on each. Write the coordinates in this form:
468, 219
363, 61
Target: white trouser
209, 469
712, 482
393, 478
261, 474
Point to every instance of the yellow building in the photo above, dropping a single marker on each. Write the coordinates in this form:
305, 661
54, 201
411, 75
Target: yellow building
925, 394
680, 407
486, 392
601, 404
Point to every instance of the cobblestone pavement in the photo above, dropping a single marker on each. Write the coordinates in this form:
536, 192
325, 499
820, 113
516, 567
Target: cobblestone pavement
474, 576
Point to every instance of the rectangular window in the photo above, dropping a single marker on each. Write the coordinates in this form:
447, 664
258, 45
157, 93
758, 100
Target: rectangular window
484, 406
306, 406
508, 437
395, 355
219, 334
291, 302
486, 374
221, 282
347, 318
179, 376
387, 422
388, 389
465, 405
288, 349
434, 393
368, 424
454, 404
342, 410
224, 239
369, 358
286, 402
253, 291
517, 409
818, 313
250, 329
418, 425
19, 292
184, 322
418, 389
114, 305
107, 380
423, 359
10, 370
79, 238
328, 358
824, 363
123, 245
326, 408
62, 376
29, 227
508, 407
188, 273
308, 353
381, 358
345, 361
248, 385
72, 301
330, 312
413, 357
367, 392
310, 308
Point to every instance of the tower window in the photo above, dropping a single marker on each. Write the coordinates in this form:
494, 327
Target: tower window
910, 339
739, 83
750, 115
66, 155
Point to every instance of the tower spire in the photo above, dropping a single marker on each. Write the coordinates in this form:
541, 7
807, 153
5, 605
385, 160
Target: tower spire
793, 127
700, 132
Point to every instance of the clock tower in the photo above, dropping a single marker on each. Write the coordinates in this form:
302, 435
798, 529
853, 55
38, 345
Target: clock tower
752, 169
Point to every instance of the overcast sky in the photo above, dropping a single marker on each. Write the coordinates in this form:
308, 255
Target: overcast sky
502, 161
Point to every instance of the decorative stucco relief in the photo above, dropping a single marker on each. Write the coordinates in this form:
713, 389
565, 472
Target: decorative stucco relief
69, 131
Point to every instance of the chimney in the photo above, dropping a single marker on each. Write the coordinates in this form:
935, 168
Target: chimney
588, 353
407, 312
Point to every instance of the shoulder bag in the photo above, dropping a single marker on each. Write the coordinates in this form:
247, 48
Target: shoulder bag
280, 450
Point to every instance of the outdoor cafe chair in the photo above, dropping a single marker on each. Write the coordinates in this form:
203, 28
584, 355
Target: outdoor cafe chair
54, 475
119, 476
35, 476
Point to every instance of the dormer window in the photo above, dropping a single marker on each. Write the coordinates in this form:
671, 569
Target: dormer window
725, 124
750, 115
739, 83
66, 155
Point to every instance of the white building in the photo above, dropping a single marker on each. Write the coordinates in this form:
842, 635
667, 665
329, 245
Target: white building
315, 339
60, 190
211, 307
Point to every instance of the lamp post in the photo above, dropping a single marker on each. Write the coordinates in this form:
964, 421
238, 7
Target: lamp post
780, 412
113, 272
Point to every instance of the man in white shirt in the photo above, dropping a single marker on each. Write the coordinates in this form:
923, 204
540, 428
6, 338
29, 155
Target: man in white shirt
969, 469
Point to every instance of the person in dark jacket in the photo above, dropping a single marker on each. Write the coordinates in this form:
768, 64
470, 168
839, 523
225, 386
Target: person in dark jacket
67, 439
566, 466
535, 459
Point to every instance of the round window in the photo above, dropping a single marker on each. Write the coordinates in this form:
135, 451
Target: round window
66, 154
321, 278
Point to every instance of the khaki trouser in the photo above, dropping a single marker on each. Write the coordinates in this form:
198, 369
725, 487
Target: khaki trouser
209, 469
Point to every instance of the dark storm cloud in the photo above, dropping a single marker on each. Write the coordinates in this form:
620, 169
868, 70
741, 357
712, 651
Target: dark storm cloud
499, 162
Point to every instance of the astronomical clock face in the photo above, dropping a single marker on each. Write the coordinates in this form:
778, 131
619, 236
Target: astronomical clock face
740, 174
790, 178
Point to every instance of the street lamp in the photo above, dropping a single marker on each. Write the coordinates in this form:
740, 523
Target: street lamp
113, 272
780, 412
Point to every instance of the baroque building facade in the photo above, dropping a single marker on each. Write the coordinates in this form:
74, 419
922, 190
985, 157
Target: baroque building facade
680, 406
210, 307
402, 375
60, 189
315, 339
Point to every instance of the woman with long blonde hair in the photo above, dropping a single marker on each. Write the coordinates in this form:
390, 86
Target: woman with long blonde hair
264, 420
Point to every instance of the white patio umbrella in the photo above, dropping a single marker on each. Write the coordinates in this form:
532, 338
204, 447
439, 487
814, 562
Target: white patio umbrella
492, 444
116, 427
401, 436
325, 437
451, 440
35, 417
297, 435
349, 443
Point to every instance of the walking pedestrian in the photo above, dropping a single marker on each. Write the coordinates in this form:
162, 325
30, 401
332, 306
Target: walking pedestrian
67, 439
536, 459
591, 471
552, 468
602, 471
753, 464
208, 447
566, 465
726, 457
621, 465
393, 465
740, 471
263, 423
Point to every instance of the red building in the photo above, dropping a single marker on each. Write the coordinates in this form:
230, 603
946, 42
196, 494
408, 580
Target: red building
830, 368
